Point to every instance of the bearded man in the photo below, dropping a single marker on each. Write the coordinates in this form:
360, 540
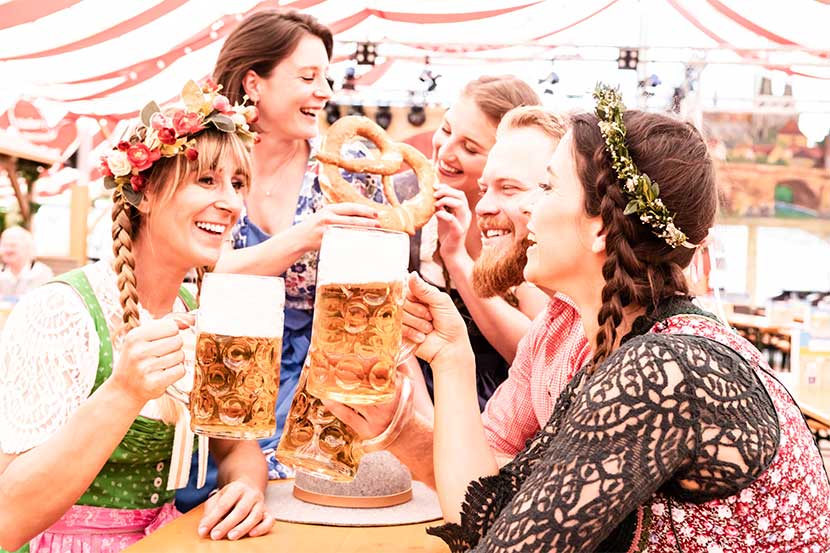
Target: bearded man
554, 347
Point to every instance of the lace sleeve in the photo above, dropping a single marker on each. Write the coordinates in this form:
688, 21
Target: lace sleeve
684, 414
48, 362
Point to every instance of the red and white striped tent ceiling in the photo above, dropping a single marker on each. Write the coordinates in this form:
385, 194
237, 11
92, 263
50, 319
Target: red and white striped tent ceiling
96, 58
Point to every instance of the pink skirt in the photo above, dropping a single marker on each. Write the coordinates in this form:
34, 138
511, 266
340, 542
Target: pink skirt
84, 529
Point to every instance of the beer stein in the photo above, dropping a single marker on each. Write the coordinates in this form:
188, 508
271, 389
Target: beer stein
315, 441
239, 327
358, 311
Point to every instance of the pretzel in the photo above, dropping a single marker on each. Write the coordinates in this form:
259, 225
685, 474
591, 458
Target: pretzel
408, 216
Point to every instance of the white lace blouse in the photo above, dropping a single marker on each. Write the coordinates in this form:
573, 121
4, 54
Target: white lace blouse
49, 357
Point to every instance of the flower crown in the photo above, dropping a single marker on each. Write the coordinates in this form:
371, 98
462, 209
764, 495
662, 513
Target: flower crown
159, 135
642, 193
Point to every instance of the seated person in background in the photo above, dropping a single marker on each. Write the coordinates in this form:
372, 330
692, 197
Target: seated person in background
20, 272
554, 347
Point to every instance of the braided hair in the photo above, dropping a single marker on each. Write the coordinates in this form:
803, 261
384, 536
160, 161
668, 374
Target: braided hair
166, 175
641, 269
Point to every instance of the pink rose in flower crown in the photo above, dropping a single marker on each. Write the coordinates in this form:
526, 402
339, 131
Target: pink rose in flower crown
222, 104
187, 122
104, 167
167, 136
137, 182
158, 121
209, 85
140, 156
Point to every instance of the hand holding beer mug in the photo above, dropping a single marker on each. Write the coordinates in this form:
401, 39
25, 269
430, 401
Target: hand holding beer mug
356, 333
239, 328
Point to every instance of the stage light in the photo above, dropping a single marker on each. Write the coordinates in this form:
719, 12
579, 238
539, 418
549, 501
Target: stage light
332, 112
383, 117
430, 79
549, 82
366, 53
416, 116
628, 58
349, 79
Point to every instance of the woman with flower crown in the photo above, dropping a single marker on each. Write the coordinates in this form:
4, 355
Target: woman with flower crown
87, 436
676, 436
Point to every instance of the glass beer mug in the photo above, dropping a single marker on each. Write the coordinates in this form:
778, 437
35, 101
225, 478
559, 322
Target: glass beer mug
239, 327
358, 311
316, 441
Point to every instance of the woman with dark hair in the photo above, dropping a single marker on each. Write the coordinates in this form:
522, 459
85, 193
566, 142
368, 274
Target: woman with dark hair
676, 436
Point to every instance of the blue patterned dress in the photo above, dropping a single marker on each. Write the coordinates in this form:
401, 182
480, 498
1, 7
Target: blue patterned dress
300, 286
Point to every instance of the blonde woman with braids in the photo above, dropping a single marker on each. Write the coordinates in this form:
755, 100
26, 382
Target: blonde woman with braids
675, 436
86, 436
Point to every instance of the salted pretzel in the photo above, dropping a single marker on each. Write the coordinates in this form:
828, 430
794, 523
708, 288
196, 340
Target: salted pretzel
408, 216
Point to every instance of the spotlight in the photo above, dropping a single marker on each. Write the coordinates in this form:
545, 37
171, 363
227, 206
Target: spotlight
628, 58
332, 112
365, 53
549, 82
356, 109
383, 117
648, 85
416, 116
431, 79
349, 79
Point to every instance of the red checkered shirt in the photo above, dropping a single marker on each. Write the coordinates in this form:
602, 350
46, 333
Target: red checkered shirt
547, 357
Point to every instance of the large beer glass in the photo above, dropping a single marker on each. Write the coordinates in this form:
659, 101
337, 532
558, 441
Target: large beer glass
239, 328
358, 311
316, 441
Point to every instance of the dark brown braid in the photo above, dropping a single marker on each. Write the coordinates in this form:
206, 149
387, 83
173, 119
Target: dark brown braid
123, 219
641, 269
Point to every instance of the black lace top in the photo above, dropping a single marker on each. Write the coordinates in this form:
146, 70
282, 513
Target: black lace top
682, 415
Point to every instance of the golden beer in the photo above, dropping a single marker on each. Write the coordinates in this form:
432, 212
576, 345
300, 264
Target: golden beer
235, 386
355, 342
314, 440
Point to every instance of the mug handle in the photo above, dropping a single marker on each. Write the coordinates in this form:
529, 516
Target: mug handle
174, 391
407, 350
399, 420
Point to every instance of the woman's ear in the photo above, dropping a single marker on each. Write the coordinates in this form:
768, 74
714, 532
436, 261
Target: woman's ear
251, 85
144, 206
597, 235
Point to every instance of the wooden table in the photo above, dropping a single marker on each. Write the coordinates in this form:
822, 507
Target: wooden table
180, 535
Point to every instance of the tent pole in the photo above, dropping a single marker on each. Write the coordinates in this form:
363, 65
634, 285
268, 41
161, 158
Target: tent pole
79, 202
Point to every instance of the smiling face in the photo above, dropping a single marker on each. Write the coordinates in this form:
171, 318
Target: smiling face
187, 227
563, 238
515, 167
461, 143
293, 96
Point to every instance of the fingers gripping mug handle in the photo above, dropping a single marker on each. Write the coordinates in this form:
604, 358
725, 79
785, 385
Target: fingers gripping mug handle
399, 420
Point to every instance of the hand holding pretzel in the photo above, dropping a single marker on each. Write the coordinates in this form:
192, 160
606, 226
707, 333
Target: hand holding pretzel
408, 216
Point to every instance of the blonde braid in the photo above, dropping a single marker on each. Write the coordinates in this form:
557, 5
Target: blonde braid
122, 249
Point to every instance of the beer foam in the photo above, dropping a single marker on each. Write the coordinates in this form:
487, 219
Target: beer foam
242, 305
356, 255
